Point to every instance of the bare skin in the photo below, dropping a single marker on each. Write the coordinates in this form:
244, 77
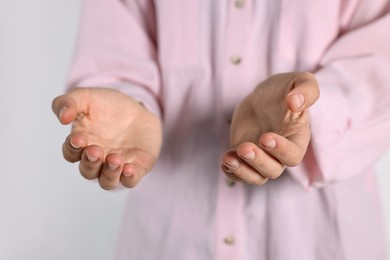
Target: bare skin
117, 140
114, 138
271, 128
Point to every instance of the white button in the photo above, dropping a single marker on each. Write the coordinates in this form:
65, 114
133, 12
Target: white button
235, 60
239, 4
229, 240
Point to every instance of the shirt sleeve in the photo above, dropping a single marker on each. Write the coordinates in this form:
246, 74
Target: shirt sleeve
116, 48
351, 121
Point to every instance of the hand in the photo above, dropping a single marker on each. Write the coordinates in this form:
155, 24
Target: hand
115, 139
271, 128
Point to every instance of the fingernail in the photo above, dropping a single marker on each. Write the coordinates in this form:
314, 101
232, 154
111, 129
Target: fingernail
127, 174
271, 143
61, 111
297, 100
127, 170
73, 145
112, 167
91, 158
233, 164
250, 156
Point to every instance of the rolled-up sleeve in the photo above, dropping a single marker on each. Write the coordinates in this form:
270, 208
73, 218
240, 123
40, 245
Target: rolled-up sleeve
116, 48
351, 121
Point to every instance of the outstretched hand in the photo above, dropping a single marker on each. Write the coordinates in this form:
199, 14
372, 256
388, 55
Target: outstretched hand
114, 138
271, 128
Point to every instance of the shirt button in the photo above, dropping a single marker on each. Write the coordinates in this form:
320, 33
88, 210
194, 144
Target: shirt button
230, 182
239, 3
235, 60
229, 240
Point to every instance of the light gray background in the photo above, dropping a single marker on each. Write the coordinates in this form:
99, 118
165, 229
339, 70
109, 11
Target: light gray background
47, 211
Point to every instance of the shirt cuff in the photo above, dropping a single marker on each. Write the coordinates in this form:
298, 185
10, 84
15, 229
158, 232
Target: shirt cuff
140, 94
330, 127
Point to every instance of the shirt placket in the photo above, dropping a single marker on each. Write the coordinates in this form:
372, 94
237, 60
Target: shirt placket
230, 220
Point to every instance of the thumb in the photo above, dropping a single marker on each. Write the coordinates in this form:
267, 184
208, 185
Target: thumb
304, 93
64, 107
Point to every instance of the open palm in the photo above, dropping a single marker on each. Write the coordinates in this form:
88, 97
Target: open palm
271, 128
115, 138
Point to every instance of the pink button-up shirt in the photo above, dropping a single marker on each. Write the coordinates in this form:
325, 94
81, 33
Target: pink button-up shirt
191, 62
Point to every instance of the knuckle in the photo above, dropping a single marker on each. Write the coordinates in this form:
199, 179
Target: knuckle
128, 184
106, 186
88, 176
70, 159
89, 172
294, 161
274, 175
110, 177
70, 155
254, 178
260, 181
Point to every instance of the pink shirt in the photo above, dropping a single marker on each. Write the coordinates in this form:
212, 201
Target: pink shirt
191, 62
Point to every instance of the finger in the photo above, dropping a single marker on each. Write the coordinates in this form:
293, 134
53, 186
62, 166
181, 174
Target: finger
64, 107
258, 159
73, 147
138, 164
288, 151
132, 177
240, 168
305, 92
111, 171
91, 162
231, 175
